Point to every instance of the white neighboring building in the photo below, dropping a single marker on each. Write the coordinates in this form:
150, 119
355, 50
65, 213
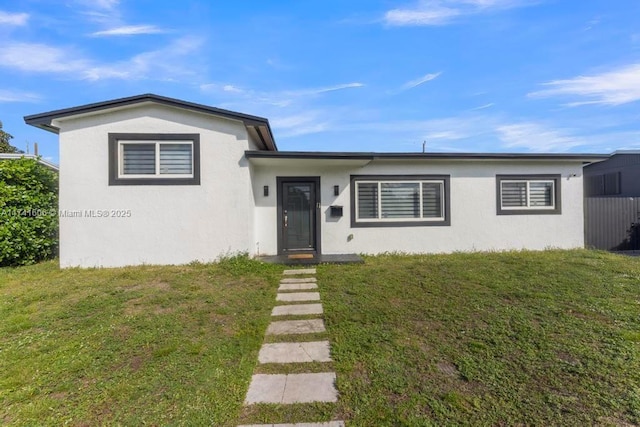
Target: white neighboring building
155, 180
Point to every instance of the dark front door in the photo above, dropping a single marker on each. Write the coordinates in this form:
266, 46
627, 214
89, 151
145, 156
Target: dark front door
297, 215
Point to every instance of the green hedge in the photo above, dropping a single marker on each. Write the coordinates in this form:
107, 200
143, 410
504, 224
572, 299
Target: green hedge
28, 212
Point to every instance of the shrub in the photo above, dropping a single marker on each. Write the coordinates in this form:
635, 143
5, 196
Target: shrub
28, 212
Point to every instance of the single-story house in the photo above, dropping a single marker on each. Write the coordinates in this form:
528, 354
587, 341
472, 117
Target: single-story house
155, 180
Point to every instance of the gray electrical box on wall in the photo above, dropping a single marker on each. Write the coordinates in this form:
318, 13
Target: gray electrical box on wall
336, 211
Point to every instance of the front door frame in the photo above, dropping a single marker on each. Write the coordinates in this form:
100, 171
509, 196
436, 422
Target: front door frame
315, 180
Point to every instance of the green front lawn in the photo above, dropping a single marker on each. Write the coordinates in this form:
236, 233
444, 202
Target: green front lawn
134, 346
521, 338
547, 338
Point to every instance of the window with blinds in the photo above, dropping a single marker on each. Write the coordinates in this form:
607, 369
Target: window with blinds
528, 194
399, 200
154, 159
151, 158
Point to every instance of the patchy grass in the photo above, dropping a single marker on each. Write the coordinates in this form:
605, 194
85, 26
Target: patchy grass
132, 346
522, 338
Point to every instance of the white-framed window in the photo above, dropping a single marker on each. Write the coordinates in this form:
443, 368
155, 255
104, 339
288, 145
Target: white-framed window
154, 159
399, 200
525, 194
141, 159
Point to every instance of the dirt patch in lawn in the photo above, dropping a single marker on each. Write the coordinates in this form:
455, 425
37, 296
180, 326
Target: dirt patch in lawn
156, 285
142, 305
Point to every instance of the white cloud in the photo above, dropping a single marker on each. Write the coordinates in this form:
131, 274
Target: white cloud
99, 4
129, 30
280, 98
17, 96
482, 107
16, 19
537, 137
417, 82
433, 15
320, 90
615, 87
441, 12
477, 132
232, 88
444, 135
299, 124
42, 58
161, 64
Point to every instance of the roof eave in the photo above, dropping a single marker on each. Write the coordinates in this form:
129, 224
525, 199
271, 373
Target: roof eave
587, 157
45, 120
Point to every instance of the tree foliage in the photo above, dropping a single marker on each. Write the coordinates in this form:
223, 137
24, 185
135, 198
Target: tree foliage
28, 212
5, 146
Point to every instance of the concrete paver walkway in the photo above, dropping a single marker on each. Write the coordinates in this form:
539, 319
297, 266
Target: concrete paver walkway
298, 280
299, 271
292, 388
299, 387
287, 327
299, 296
296, 309
297, 286
295, 352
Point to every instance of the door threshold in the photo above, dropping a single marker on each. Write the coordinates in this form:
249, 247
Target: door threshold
300, 256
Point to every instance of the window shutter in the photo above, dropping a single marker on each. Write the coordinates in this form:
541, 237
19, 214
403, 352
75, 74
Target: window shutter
432, 200
400, 200
514, 194
367, 200
176, 159
138, 159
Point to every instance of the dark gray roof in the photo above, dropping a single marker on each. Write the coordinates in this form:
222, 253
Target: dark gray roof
423, 156
259, 124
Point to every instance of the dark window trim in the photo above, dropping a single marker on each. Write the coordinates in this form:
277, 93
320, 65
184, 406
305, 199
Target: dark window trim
556, 178
447, 200
114, 138
318, 228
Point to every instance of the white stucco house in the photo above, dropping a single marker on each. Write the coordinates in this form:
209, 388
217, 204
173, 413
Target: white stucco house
155, 180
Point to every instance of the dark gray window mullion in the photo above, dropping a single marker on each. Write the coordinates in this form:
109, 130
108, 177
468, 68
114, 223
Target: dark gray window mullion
157, 146
421, 199
379, 184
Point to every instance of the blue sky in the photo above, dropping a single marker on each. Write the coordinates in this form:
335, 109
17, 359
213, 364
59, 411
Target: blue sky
336, 75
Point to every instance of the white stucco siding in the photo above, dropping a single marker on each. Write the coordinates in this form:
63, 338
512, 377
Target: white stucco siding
475, 224
169, 224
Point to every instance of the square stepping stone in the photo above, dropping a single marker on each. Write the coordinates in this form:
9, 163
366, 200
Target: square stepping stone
292, 388
303, 388
296, 310
299, 271
266, 389
297, 286
295, 352
299, 296
298, 280
291, 327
